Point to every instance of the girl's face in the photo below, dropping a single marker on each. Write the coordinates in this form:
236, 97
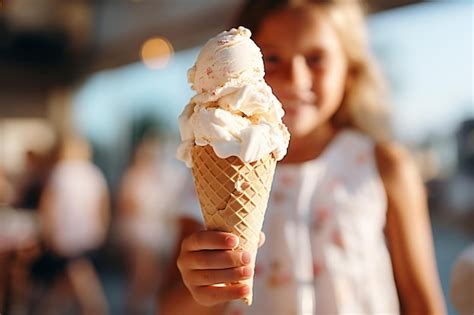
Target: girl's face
305, 65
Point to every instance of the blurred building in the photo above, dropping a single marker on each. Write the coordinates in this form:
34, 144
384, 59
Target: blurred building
46, 44
465, 142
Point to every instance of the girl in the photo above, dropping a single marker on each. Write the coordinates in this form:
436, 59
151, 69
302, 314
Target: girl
347, 225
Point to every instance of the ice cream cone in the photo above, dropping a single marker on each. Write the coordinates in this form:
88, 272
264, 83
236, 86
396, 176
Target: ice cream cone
233, 196
232, 135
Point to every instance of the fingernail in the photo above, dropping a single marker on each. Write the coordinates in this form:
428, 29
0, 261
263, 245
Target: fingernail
245, 290
231, 241
247, 272
245, 258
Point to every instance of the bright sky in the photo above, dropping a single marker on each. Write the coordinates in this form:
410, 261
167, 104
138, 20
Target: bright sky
427, 53
426, 50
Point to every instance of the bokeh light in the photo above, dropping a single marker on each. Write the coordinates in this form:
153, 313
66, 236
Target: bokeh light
156, 52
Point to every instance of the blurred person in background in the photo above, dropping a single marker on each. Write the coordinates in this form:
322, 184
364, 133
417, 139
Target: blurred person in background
6, 197
146, 229
461, 288
149, 189
459, 190
74, 215
19, 230
7, 192
19, 248
32, 182
347, 226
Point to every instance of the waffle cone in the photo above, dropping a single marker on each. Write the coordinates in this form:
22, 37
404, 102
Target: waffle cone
233, 196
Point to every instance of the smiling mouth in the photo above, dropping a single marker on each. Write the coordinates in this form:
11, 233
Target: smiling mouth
306, 97
292, 107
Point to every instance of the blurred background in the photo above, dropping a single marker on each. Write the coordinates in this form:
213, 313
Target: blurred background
90, 91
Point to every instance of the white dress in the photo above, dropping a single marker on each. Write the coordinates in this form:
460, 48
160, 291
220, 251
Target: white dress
325, 250
77, 190
156, 190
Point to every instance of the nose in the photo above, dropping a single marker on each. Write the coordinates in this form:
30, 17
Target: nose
300, 75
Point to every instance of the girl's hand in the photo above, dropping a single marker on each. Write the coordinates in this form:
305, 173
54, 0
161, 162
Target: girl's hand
207, 258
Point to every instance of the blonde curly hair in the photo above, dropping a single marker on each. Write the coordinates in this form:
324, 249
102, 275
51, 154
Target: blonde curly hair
364, 106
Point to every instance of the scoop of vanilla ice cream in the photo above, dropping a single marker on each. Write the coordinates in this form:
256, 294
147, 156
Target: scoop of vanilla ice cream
229, 56
234, 110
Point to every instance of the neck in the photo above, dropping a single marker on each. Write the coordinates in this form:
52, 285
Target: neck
310, 146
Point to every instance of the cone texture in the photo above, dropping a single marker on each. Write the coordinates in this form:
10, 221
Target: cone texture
233, 196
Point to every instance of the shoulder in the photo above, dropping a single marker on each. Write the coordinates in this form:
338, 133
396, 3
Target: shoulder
397, 168
392, 158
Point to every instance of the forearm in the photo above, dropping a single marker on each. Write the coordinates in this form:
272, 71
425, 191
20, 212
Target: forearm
178, 301
409, 235
429, 308
422, 298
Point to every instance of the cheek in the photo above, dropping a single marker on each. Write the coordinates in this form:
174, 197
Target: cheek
302, 121
275, 82
330, 88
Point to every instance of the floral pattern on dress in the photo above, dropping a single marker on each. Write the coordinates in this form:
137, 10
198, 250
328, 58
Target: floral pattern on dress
362, 158
287, 180
317, 269
278, 197
258, 271
336, 238
277, 276
335, 184
321, 215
